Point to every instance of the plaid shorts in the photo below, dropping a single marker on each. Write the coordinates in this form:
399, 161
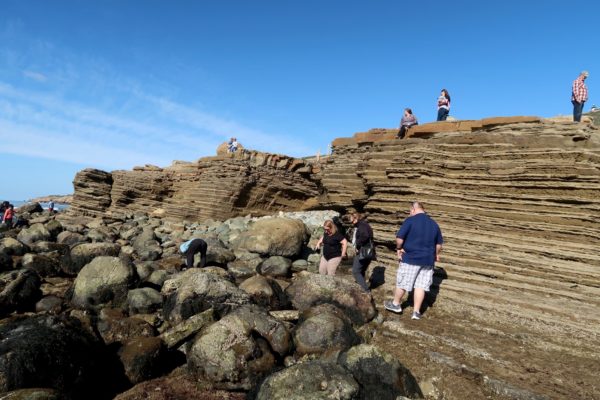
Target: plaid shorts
414, 276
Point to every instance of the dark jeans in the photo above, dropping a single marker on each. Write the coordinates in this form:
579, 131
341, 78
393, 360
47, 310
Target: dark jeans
442, 114
359, 269
577, 110
197, 245
403, 129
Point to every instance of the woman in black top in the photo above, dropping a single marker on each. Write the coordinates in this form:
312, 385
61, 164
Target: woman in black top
334, 248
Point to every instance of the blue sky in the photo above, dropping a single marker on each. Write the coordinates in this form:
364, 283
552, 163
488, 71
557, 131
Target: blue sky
112, 84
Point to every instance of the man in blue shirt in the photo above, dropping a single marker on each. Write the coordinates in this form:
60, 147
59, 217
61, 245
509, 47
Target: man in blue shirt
418, 244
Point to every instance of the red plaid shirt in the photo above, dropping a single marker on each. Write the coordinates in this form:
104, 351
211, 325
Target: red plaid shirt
579, 91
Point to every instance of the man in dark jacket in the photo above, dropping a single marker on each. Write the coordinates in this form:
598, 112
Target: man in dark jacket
363, 236
189, 250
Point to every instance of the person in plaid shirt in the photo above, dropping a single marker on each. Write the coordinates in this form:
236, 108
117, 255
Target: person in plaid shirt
579, 95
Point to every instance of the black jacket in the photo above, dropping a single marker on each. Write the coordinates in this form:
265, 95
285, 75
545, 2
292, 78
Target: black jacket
364, 233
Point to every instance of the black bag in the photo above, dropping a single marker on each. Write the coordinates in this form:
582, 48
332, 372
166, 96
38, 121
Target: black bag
366, 252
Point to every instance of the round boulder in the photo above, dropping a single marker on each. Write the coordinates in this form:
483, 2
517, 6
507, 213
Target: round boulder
143, 301
380, 375
309, 290
42, 264
236, 351
70, 238
274, 237
313, 380
265, 292
12, 247
143, 358
19, 291
34, 233
193, 291
275, 266
86, 252
103, 280
324, 328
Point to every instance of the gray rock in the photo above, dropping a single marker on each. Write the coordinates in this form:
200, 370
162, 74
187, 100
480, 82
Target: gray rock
49, 304
274, 237
143, 301
144, 269
311, 380
380, 375
276, 266
12, 247
130, 233
299, 265
101, 234
86, 252
308, 290
103, 280
324, 328
158, 278
31, 208
54, 227
236, 351
265, 292
240, 269
19, 291
70, 238
193, 291
177, 335
32, 394
34, 233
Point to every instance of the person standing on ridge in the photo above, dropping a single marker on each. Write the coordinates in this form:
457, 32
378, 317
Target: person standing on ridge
443, 104
579, 95
189, 250
363, 236
418, 244
408, 120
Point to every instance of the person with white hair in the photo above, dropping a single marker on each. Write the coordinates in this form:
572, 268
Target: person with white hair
418, 245
579, 95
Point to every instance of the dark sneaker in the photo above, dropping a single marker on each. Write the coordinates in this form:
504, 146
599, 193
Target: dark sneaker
390, 306
416, 315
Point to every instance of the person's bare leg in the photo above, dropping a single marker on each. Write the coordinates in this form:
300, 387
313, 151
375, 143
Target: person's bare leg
398, 293
418, 297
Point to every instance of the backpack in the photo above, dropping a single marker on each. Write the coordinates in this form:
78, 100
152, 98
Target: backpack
339, 225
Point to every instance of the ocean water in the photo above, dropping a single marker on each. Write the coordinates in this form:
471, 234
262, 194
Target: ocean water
57, 206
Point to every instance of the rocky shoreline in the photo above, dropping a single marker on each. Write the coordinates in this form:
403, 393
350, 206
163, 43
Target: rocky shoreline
62, 199
101, 308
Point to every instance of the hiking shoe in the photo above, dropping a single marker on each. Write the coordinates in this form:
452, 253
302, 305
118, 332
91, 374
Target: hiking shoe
416, 315
390, 306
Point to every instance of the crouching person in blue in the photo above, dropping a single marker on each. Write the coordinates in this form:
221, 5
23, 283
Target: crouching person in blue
418, 245
189, 250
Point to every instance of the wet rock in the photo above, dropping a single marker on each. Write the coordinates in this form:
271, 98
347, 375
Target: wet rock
265, 292
274, 237
380, 375
32, 394
236, 351
34, 233
19, 291
324, 328
103, 280
144, 269
86, 252
157, 279
177, 335
193, 291
313, 380
49, 304
6, 262
312, 289
276, 266
52, 352
114, 327
144, 301
42, 264
143, 358
12, 247
177, 386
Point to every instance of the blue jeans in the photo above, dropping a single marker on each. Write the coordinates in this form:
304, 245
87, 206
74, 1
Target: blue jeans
442, 114
577, 110
359, 269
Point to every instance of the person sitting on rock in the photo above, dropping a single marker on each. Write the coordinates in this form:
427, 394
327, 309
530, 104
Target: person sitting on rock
408, 120
189, 250
334, 248
232, 145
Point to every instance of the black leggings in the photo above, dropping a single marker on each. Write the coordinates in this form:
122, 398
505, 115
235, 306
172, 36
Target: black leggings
197, 245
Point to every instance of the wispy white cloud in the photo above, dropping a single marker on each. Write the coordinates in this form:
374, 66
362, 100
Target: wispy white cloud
36, 76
